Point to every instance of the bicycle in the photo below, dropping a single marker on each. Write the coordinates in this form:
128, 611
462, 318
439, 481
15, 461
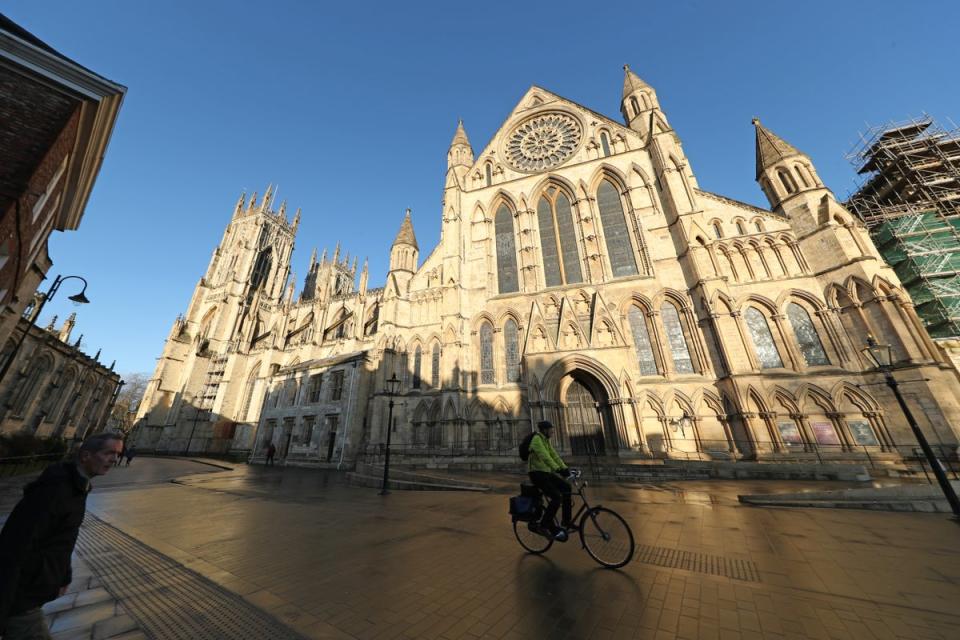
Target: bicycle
604, 534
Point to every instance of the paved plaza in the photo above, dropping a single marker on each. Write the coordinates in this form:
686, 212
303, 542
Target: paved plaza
300, 553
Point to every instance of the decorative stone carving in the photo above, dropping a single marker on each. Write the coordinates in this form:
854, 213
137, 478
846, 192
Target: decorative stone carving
543, 142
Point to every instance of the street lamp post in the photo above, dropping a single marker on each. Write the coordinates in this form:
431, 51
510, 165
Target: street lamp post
881, 356
681, 424
79, 298
391, 387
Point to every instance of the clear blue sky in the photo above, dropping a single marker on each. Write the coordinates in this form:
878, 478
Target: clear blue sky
350, 107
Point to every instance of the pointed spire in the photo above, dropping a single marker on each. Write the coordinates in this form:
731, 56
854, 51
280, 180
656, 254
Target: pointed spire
323, 259
460, 135
354, 267
771, 148
313, 258
406, 235
282, 213
336, 253
52, 322
76, 345
632, 82
253, 201
296, 219
267, 198
96, 356
112, 365
67, 327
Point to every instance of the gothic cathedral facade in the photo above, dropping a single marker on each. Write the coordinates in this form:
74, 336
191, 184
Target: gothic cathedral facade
583, 277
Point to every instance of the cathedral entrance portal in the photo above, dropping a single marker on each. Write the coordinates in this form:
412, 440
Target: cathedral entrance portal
584, 414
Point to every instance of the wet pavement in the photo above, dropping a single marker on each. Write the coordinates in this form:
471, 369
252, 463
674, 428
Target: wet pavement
333, 561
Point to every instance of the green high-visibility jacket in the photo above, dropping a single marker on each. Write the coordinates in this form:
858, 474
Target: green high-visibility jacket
542, 456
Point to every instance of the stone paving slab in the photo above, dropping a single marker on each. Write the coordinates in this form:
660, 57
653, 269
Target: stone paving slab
340, 562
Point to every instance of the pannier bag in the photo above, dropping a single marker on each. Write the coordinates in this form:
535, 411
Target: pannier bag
526, 506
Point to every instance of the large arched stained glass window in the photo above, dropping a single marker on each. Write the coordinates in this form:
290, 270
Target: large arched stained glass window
766, 350
561, 262
678, 341
435, 367
511, 350
417, 363
486, 354
641, 341
507, 280
806, 334
619, 249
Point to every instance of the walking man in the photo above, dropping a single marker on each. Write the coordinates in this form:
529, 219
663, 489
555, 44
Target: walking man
38, 538
271, 451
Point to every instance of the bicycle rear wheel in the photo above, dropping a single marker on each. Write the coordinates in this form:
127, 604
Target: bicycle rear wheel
529, 540
606, 537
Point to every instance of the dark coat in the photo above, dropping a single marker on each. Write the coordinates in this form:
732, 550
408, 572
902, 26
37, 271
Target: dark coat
38, 539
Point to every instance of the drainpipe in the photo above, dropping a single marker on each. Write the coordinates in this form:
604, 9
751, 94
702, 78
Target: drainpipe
346, 417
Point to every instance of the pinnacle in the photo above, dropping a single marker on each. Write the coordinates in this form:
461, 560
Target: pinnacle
406, 235
771, 148
632, 82
460, 136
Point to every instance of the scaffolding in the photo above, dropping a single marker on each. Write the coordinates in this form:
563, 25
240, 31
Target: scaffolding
910, 201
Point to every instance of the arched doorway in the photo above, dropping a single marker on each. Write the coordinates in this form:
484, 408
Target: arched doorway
584, 409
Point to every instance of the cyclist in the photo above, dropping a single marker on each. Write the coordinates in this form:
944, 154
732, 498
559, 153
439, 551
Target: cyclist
545, 469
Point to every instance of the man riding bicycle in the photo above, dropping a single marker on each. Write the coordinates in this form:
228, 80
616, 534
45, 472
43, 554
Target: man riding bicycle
545, 469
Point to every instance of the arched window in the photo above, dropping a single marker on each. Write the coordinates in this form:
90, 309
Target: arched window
507, 280
717, 230
806, 334
800, 173
619, 249
604, 143
261, 269
24, 395
417, 362
740, 228
641, 341
248, 392
787, 180
758, 226
488, 169
675, 336
435, 367
511, 350
635, 105
486, 354
558, 240
763, 344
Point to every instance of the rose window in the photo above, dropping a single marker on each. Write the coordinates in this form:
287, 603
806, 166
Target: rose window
543, 142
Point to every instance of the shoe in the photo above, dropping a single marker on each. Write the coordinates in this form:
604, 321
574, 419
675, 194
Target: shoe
560, 535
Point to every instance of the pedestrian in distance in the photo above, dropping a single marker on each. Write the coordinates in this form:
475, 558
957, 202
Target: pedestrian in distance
129, 453
39, 536
271, 451
122, 453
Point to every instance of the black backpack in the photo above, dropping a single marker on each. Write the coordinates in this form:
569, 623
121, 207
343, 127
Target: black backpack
525, 446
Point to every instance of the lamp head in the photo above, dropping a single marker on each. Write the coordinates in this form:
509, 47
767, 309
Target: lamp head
80, 298
392, 386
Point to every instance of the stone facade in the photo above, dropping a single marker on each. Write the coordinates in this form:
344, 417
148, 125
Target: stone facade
582, 276
52, 388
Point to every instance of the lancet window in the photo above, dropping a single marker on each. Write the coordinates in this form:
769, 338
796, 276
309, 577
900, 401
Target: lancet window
507, 280
435, 367
486, 354
767, 354
808, 340
558, 240
641, 341
682, 363
619, 249
417, 362
604, 144
511, 350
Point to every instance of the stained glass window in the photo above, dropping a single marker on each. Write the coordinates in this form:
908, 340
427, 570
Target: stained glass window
678, 341
511, 350
435, 367
548, 244
605, 144
641, 341
615, 229
507, 280
558, 240
417, 361
806, 334
763, 345
486, 354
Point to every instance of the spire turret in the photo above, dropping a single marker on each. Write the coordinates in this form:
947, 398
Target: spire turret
637, 102
460, 153
783, 171
406, 235
405, 252
240, 204
67, 327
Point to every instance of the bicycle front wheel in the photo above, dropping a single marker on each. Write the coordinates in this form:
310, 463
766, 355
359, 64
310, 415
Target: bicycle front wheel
606, 537
530, 540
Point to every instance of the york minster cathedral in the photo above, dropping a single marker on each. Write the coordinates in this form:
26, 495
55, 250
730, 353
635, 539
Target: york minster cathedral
583, 277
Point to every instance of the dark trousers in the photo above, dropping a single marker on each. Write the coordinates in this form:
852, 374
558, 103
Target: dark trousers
556, 489
29, 625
